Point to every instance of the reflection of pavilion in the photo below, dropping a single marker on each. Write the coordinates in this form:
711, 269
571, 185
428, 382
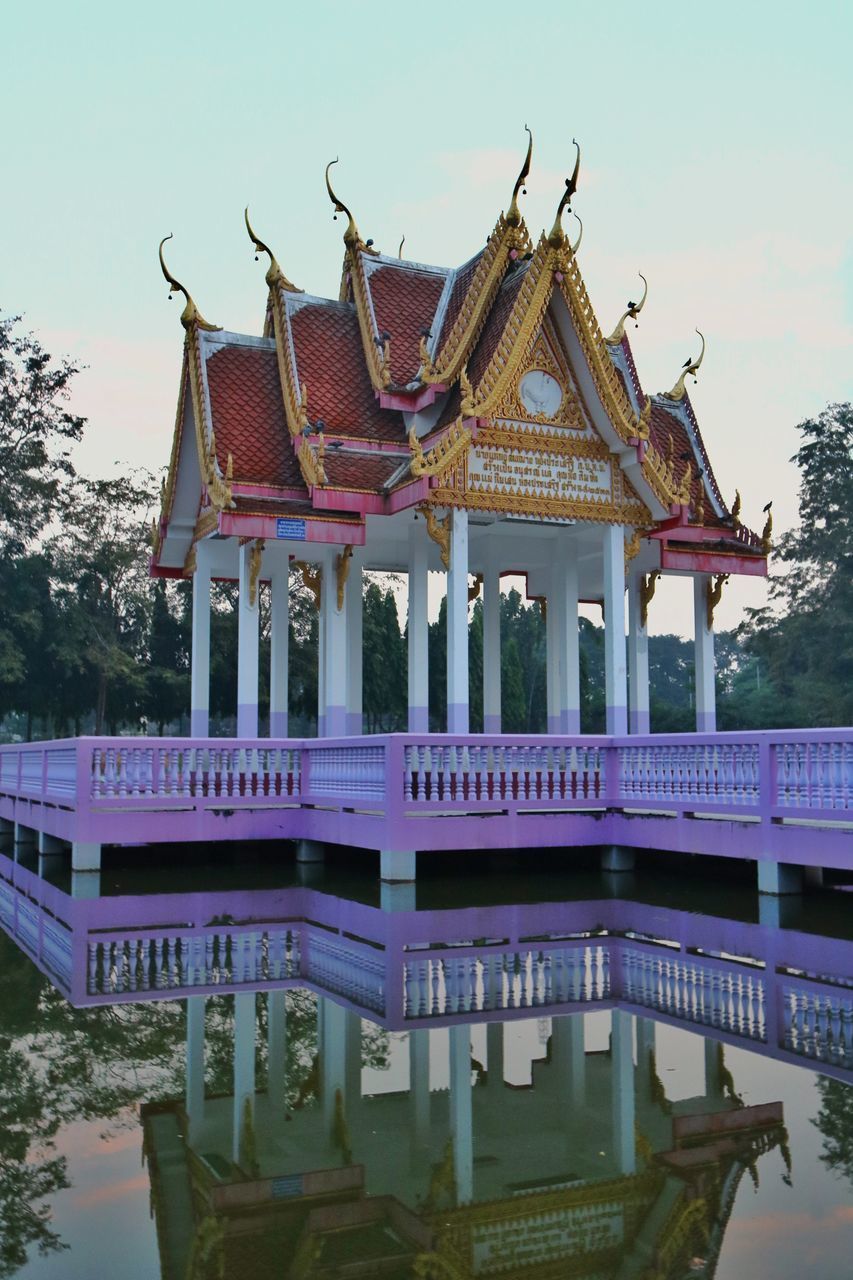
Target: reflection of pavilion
588, 1166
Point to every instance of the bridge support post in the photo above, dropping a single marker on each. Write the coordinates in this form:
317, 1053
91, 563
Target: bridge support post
195, 1064
276, 1050
616, 857
622, 1091
310, 851
461, 1114
397, 865
85, 855
244, 1070
7, 828
24, 839
779, 877
568, 1056
49, 846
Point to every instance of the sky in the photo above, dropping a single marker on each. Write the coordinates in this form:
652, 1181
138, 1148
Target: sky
716, 149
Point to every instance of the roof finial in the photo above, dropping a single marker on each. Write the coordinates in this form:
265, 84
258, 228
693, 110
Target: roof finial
577, 243
400, 250
557, 236
351, 236
190, 314
275, 275
513, 213
634, 309
690, 367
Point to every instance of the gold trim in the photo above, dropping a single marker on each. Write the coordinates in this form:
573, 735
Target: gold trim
255, 555
275, 277
632, 546
735, 513
513, 213
343, 564
648, 583
766, 538
190, 316
191, 562
439, 531
444, 454
690, 367
351, 236
634, 309
713, 594
557, 236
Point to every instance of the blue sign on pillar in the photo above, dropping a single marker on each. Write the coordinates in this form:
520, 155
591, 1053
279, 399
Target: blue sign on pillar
290, 527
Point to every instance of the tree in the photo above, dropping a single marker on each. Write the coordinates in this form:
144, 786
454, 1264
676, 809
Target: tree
835, 1122
384, 663
36, 430
167, 679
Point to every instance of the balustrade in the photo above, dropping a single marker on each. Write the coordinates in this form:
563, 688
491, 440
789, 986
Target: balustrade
147, 770
705, 773
814, 775
505, 773
696, 991
818, 1023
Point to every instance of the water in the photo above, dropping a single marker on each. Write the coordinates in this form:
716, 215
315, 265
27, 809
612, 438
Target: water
533, 1075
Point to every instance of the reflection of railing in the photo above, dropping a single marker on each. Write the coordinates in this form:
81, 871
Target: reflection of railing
225, 956
818, 1022
527, 978
704, 992
345, 967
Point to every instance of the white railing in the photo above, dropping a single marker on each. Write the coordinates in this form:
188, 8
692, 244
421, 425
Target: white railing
814, 775
346, 968
183, 771
695, 990
504, 772
818, 1023
705, 772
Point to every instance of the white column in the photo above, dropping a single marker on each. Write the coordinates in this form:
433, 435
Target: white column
200, 676
457, 625
646, 1046
244, 1064
418, 625
279, 625
569, 1059
334, 624
419, 1094
355, 649
706, 697
615, 666
276, 1049
461, 1117
321, 662
491, 649
195, 1064
568, 638
638, 659
553, 681
247, 649
622, 1091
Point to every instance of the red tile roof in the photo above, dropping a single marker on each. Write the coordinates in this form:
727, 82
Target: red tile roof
496, 322
248, 417
330, 362
347, 470
665, 427
404, 303
458, 290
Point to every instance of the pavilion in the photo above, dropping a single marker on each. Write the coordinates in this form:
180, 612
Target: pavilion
470, 420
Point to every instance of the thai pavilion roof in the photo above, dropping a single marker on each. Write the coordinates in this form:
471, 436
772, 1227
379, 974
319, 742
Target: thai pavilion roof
326, 399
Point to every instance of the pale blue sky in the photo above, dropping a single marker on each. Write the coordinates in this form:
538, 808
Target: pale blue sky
715, 159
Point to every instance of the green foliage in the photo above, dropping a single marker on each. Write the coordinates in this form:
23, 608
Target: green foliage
835, 1122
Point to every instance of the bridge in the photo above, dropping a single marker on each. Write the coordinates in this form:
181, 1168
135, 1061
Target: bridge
780, 799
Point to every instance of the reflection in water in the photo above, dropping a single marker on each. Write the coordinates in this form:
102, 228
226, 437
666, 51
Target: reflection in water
332, 1089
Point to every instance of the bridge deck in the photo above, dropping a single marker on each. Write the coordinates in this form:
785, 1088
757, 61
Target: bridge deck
767, 796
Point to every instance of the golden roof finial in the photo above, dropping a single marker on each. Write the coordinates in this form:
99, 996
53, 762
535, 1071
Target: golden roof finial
513, 213
351, 236
634, 309
690, 367
190, 314
400, 250
275, 275
736, 509
557, 236
577, 243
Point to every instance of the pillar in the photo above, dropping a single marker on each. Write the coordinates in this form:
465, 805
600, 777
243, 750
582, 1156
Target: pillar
279, 649
779, 877
352, 1054
195, 1064
491, 650
332, 1056
706, 697
200, 661
244, 1065
355, 649
418, 630
646, 1046
457, 625
568, 1056
553, 681
638, 660
333, 625
713, 1076
461, 1116
615, 666
276, 1049
247, 646
622, 1091
568, 638
419, 1094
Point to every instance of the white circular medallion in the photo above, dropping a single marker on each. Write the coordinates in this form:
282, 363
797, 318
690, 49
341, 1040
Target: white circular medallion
540, 393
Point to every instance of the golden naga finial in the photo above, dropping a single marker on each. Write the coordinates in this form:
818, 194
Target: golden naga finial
439, 531
634, 309
513, 213
577, 243
351, 237
648, 584
713, 594
275, 275
557, 236
767, 531
343, 564
691, 367
400, 250
736, 509
632, 546
190, 315
644, 420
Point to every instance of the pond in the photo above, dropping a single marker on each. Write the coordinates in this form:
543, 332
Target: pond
519, 1072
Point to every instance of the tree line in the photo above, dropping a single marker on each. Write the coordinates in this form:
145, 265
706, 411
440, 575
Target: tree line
90, 643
